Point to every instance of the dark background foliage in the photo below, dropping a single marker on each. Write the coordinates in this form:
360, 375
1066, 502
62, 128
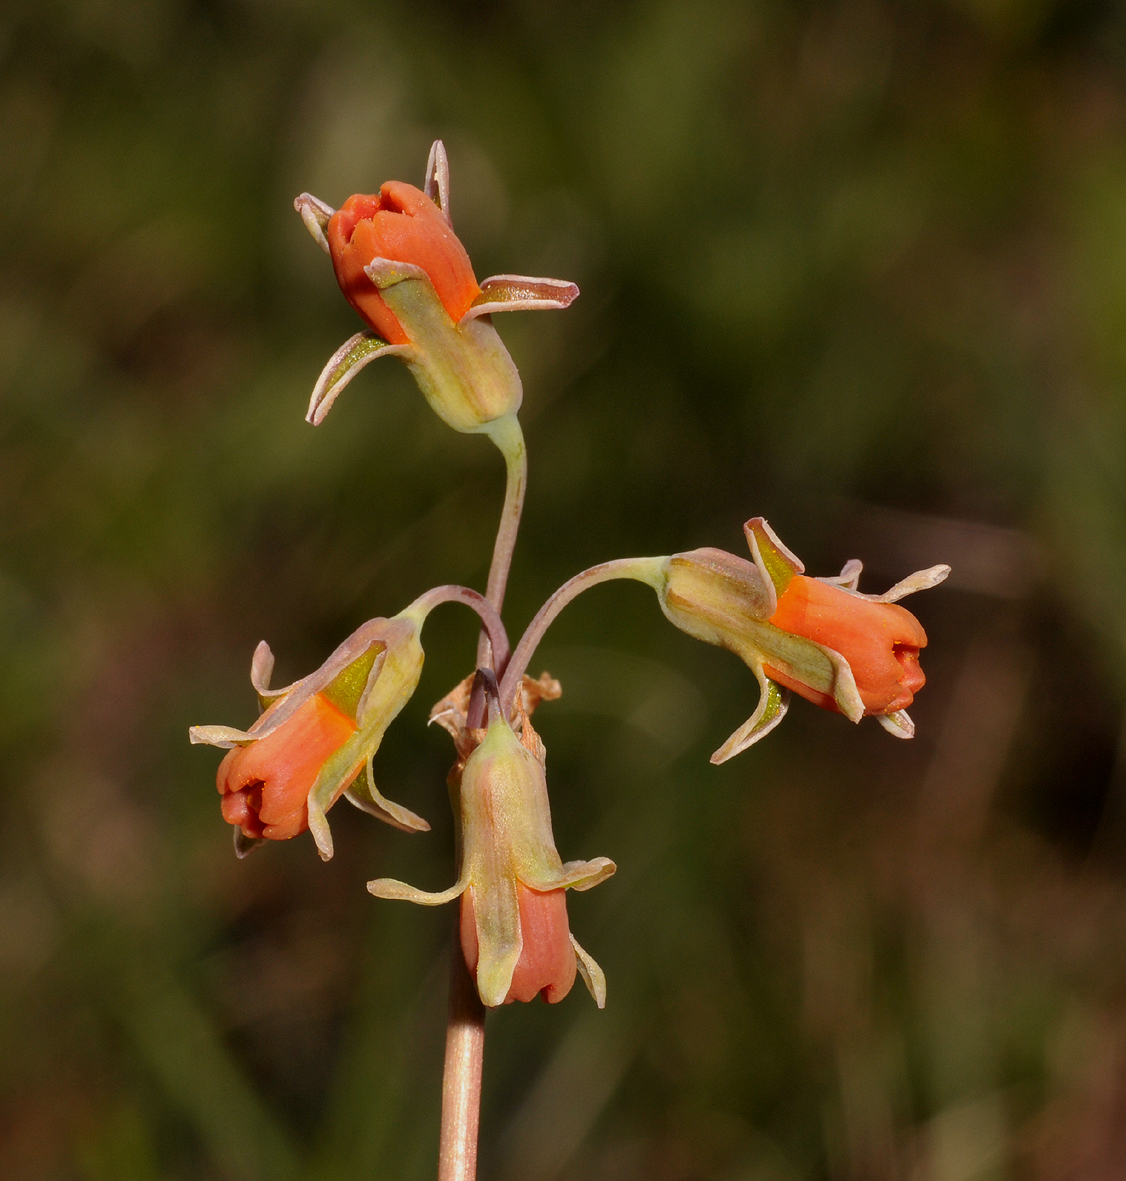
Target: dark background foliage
858, 266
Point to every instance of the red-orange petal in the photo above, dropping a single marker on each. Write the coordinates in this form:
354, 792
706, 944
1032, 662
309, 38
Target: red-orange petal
547, 965
265, 784
403, 224
547, 960
880, 641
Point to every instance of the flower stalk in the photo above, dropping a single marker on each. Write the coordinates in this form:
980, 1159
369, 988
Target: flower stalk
647, 570
402, 268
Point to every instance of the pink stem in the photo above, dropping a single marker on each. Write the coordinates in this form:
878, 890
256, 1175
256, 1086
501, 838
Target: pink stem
646, 570
461, 1077
493, 629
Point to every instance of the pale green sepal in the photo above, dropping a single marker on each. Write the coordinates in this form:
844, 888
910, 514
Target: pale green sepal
390, 685
521, 293
845, 692
318, 824
437, 183
348, 689
356, 352
716, 596
772, 705
920, 580
244, 844
363, 794
774, 560
221, 736
807, 662
316, 215
463, 370
500, 937
401, 892
593, 976
898, 724
576, 875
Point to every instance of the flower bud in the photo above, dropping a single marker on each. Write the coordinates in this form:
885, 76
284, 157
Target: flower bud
316, 738
514, 930
402, 224
401, 266
845, 651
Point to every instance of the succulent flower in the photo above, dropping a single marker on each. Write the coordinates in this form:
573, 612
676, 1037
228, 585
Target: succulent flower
846, 651
514, 930
402, 267
316, 738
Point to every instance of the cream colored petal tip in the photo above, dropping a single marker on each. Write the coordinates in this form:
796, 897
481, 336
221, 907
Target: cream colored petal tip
913, 583
593, 976
521, 293
576, 875
316, 216
386, 272
400, 891
222, 736
437, 183
898, 724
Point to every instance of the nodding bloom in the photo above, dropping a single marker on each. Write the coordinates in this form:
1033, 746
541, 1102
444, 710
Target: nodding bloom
316, 738
404, 270
514, 930
853, 653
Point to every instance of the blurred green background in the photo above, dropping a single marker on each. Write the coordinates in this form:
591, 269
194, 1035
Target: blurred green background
856, 265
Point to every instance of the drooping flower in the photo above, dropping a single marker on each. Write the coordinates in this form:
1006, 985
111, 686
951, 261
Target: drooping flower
316, 738
846, 651
514, 930
402, 267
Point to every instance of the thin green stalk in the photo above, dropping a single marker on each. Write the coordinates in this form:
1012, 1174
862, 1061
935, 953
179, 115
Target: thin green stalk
508, 436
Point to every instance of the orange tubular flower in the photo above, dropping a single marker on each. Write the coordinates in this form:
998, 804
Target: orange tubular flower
265, 785
853, 653
402, 267
512, 885
400, 223
547, 964
880, 641
315, 740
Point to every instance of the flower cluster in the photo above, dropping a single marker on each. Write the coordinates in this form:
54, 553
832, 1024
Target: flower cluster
402, 268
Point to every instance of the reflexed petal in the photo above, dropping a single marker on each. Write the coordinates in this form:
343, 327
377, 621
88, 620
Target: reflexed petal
521, 293
898, 724
437, 183
343, 365
316, 216
920, 580
772, 558
244, 844
849, 577
772, 705
593, 976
